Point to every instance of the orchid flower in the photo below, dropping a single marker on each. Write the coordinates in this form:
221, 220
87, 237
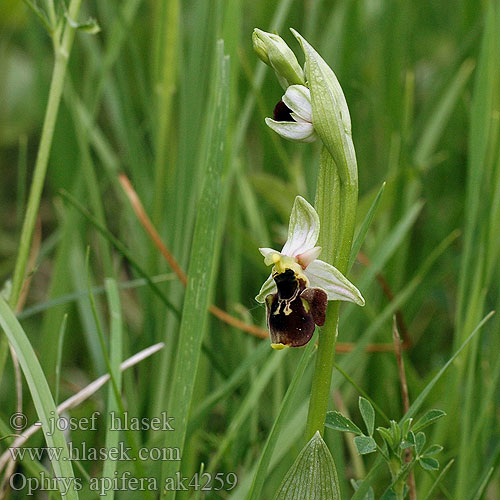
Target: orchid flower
292, 117
300, 285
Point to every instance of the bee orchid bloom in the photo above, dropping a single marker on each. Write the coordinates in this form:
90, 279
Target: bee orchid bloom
300, 285
293, 115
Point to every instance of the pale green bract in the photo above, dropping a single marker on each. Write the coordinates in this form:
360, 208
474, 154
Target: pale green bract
300, 252
313, 475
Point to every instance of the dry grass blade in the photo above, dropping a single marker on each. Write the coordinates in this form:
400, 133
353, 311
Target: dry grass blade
79, 398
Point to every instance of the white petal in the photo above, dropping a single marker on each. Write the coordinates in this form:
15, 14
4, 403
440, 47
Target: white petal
305, 258
303, 229
268, 287
268, 255
298, 99
293, 131
335, 284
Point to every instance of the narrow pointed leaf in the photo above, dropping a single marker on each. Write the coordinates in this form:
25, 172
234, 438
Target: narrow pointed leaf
429, 418
365, 225
42, 397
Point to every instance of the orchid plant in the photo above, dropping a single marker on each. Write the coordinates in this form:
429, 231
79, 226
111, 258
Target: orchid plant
299, 286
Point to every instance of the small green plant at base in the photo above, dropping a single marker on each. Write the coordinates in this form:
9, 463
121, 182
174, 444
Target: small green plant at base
402, 447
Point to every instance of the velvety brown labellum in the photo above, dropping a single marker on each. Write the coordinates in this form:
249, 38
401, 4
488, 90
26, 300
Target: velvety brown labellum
294, 310
282, 113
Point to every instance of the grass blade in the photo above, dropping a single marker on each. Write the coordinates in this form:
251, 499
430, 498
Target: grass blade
360, 237
42, 398
201, 270
115, 359
425, 392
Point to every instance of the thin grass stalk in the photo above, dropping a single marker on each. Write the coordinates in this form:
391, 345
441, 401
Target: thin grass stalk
167, 74
62, 50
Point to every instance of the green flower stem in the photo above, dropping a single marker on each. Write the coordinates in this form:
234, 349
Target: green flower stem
62, 49
336, 203
328, 206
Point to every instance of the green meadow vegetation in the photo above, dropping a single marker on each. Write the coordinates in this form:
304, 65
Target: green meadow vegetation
138, 180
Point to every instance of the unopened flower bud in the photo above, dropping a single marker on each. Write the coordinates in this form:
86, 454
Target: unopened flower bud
274, 51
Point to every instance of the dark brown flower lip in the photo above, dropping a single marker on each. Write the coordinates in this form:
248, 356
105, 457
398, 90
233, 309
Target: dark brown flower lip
282, 113
294, 311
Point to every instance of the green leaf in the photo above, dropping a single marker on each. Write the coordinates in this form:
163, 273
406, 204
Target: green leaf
368, 414
429, 418
338, 422
433, 450
365, 444
420, 442
42, 398
313, 475
428, 463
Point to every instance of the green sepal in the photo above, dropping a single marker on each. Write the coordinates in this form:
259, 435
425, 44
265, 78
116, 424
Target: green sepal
330, 114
